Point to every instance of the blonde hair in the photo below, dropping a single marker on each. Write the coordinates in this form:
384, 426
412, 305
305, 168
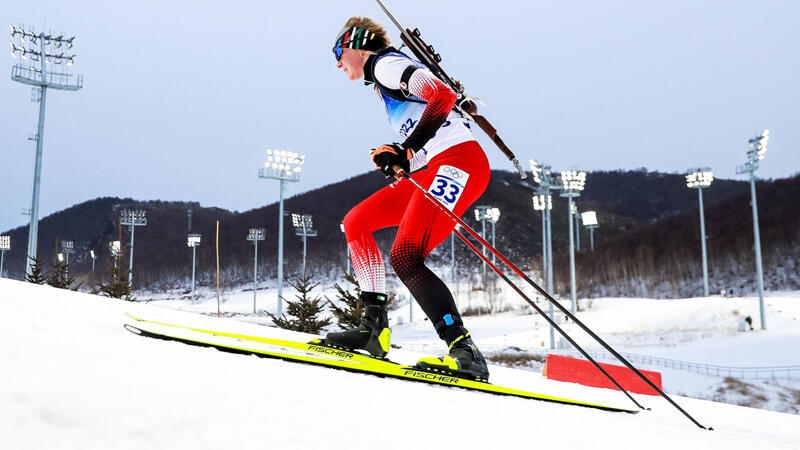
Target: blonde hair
371, 25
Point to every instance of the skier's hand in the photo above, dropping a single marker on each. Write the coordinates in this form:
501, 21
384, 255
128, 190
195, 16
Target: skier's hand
386, 157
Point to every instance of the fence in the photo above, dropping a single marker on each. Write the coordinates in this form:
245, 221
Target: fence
743, 373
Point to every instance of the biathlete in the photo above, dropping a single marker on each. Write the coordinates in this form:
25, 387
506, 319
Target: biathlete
439, 152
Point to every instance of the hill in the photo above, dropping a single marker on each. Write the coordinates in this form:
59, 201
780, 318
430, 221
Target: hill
636, 210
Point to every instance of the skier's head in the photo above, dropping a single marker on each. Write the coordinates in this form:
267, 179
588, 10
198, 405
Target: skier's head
360, 37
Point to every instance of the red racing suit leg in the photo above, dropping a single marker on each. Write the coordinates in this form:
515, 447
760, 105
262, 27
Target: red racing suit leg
422, 227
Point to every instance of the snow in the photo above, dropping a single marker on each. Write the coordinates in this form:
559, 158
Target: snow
73, 378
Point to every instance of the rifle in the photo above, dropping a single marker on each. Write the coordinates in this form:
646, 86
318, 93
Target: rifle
464, 104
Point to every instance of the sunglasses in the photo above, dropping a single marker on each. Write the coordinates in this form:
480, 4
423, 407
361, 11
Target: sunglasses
338, 50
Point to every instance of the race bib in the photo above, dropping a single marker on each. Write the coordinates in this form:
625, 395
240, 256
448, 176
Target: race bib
448, 185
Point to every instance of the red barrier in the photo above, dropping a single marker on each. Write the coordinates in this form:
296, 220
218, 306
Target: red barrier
564, 368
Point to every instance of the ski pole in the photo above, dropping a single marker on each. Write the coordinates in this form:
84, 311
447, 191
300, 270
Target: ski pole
597, 338
539, 310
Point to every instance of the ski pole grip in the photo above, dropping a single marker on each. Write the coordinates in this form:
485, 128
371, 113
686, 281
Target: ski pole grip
399, 170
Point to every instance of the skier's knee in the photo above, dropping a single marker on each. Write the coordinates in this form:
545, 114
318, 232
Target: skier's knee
406, 260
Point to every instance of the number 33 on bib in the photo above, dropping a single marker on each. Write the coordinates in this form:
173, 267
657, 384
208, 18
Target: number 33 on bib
448, 185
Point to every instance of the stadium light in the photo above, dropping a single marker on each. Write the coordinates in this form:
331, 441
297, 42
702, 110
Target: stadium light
572, 184
41, 48
589, 219
255, 235
5, 245
283, 166
482, 214
543, 175
93, 256
543, 202
193, 241
304, 227
699, 178
132, 218
493, 215
757, 152
347, 263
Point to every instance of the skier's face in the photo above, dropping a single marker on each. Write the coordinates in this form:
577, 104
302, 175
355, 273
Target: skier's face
352, 63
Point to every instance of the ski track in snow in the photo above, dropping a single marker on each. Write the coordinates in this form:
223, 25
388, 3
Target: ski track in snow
73, 378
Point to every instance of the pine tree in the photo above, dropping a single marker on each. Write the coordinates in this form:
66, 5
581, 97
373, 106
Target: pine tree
303, 314
59, 275
37, 274
118, 287
349, 315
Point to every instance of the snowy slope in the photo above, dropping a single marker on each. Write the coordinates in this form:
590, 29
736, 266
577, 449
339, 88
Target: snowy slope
72, 377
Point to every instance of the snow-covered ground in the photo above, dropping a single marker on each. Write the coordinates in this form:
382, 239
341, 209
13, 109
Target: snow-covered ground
72, 377
697, 330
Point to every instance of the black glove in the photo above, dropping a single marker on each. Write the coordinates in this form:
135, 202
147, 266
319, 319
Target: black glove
386, 157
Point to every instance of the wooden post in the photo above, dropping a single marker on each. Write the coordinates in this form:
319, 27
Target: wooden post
218, 311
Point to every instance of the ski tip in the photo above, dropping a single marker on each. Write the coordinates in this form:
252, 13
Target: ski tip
133, 329
134, 317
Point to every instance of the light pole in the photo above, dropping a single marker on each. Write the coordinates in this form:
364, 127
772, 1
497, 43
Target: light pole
255, 235
347, 264
481, 214
573, 182
193, 241
282, 166
453, 256
543, 203
589, 219
49, 51
577, 227
115, 248
758, 149
5, 245
543, 176
304, 227
67, 247
698, 178
493, 216
133, 218
91, 253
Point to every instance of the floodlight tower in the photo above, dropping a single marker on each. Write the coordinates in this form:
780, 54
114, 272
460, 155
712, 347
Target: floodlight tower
543, 176
543, 203
589, 219
50, 51
699, 178
133, 218
304, 227
193, 241
493, 216
255, 235
93, 256
577, 227
481, 214
758, 149
283, 166
115, 247
572, 182
67, 247
347, 263
5, 245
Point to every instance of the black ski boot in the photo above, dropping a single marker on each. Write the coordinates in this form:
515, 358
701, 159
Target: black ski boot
373, 334
464, 358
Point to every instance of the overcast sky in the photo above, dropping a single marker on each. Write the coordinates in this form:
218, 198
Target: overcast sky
181, 99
